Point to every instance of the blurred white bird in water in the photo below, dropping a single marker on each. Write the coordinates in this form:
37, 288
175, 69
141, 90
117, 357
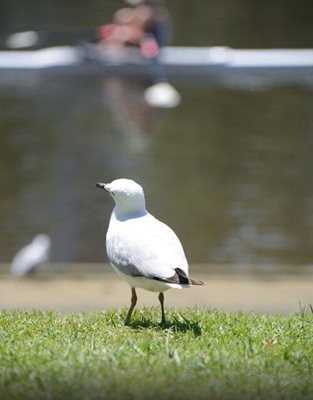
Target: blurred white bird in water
162, 95
31, 256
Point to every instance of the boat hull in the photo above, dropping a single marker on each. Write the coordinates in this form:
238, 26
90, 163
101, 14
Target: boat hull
213, 64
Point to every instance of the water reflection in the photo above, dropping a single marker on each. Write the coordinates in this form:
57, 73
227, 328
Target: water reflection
131, 115
230, 170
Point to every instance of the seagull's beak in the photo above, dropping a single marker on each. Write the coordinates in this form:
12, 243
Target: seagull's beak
101, 185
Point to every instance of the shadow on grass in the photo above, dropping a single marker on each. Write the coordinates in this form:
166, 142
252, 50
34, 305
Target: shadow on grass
176, 324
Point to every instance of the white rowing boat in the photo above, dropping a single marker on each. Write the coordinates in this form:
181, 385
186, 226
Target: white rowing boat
281, 65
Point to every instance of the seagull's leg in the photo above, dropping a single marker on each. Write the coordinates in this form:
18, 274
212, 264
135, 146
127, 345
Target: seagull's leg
161, 298
132, 306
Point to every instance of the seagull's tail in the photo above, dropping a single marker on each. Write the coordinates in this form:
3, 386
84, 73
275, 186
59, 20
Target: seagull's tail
184, 279
180, 280
193, 282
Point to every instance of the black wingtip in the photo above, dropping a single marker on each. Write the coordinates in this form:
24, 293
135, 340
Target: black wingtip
182, 277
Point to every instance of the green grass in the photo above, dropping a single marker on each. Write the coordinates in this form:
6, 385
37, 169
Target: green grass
199, 354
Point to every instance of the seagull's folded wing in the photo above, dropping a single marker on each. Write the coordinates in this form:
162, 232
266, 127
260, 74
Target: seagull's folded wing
145, 247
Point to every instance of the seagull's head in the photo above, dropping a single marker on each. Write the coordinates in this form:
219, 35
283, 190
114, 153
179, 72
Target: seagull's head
42, 241
128, 196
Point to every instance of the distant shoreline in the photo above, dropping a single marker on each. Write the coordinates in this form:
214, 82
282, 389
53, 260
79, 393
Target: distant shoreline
87, 270
94, 287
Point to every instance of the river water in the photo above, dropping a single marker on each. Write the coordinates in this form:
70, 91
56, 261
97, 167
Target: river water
230, 169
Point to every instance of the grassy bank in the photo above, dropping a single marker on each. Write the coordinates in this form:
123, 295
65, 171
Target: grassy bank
198, 354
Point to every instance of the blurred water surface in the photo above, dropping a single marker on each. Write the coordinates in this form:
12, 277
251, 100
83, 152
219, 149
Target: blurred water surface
229, 169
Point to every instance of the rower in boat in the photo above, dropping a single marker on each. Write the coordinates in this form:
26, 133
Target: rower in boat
144, 24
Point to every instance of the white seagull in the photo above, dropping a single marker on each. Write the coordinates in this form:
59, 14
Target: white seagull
141, 249
31, 256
